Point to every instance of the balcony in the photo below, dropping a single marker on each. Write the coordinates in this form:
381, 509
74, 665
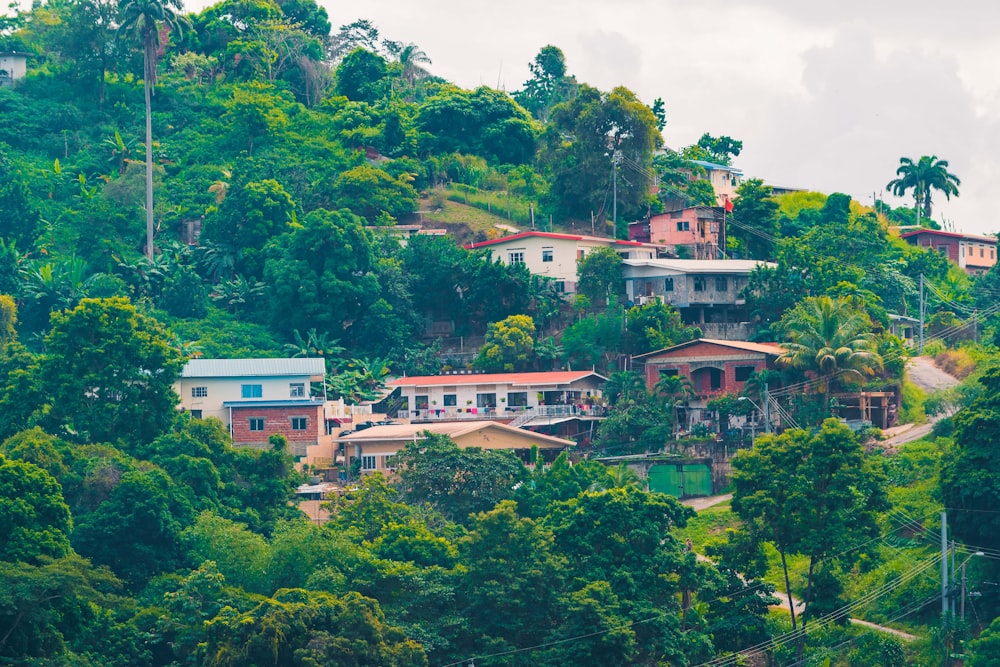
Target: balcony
455, 414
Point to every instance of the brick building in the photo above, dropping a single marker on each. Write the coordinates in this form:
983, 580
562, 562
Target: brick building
713, 367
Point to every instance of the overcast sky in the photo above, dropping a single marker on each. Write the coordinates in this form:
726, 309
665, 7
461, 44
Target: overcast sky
825, 96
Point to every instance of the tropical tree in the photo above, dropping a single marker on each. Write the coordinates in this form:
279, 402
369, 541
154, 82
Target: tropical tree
829, 339
926, 174
676, 390
413, 59
143, 17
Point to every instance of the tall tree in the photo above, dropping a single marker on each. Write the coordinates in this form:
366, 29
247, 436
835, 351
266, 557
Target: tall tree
926, 174
111, 372
143, 18
589, 136
810, 494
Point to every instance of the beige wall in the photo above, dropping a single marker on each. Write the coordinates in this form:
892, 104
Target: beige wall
221, 390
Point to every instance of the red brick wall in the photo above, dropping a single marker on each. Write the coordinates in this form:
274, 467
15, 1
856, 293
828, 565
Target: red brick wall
278, 420
729, 383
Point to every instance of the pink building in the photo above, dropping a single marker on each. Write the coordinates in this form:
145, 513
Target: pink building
975, 254
699, 230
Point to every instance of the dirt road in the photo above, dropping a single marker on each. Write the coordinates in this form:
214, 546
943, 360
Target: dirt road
922, 372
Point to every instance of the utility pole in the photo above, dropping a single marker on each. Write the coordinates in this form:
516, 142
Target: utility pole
616, 158
767, 410
920, 344
944, 566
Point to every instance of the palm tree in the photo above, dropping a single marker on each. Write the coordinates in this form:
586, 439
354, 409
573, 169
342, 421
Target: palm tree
620, 477
928, 173
623, 386
676, 390
142, 17
412, 58
830, 338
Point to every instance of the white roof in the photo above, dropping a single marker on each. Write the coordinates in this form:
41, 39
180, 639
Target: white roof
738, 266
214, 368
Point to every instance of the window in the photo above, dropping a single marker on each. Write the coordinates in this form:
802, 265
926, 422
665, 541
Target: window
546, 254
486, 400
721, 284
300, 423
580, 254
668, 284
991, 254
517, 399
256, 423
515, 257
684, 226
252, 390
421, 402
199, 392
368, 463
560, 286
981, 251
715, 379
743, 373
297, 389
390, 462
450, 400
196, 414
699, 283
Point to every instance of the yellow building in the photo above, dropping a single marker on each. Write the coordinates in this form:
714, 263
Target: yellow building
376, 446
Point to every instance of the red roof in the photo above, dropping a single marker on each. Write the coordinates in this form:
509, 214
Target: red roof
768, 348
526, 379
552, 235
951, 235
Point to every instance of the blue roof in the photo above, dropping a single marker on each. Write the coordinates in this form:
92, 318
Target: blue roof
217, 368
712, 166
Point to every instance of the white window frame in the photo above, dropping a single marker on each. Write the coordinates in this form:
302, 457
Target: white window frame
369, 462
251, 421
297, 389
297, 420
199, 392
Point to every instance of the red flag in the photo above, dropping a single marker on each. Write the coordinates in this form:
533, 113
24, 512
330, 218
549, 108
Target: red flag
729, 205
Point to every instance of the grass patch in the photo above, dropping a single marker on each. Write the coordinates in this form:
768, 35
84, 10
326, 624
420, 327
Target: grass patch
709, 527
456, 213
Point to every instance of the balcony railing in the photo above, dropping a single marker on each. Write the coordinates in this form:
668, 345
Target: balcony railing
454, 414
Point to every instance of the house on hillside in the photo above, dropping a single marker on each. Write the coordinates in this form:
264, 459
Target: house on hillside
707, 293
257, 398
725, 180
13, 67
375, 447
713, 368
976, 254
694, 232
475, 396
556, 255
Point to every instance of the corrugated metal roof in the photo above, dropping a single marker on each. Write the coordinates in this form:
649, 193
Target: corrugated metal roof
410, 432
207, 368
768, 348
738, 266
545, 378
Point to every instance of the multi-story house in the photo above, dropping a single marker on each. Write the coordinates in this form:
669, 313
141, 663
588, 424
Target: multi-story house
725, 180
976, 254
707, 293
695, 232
556, 255
431, 398
257, 398
712, 367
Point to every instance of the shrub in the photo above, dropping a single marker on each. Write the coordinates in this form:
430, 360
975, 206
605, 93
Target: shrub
957, 363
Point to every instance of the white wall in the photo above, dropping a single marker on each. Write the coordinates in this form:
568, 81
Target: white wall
221, 390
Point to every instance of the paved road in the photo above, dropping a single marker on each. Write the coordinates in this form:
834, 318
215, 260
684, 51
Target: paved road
698, 504
922, 372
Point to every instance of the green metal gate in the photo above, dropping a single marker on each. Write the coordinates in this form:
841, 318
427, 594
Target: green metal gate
682, 480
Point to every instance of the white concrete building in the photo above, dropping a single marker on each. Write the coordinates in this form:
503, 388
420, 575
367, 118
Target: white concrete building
556, 255
498, 395
13, 67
